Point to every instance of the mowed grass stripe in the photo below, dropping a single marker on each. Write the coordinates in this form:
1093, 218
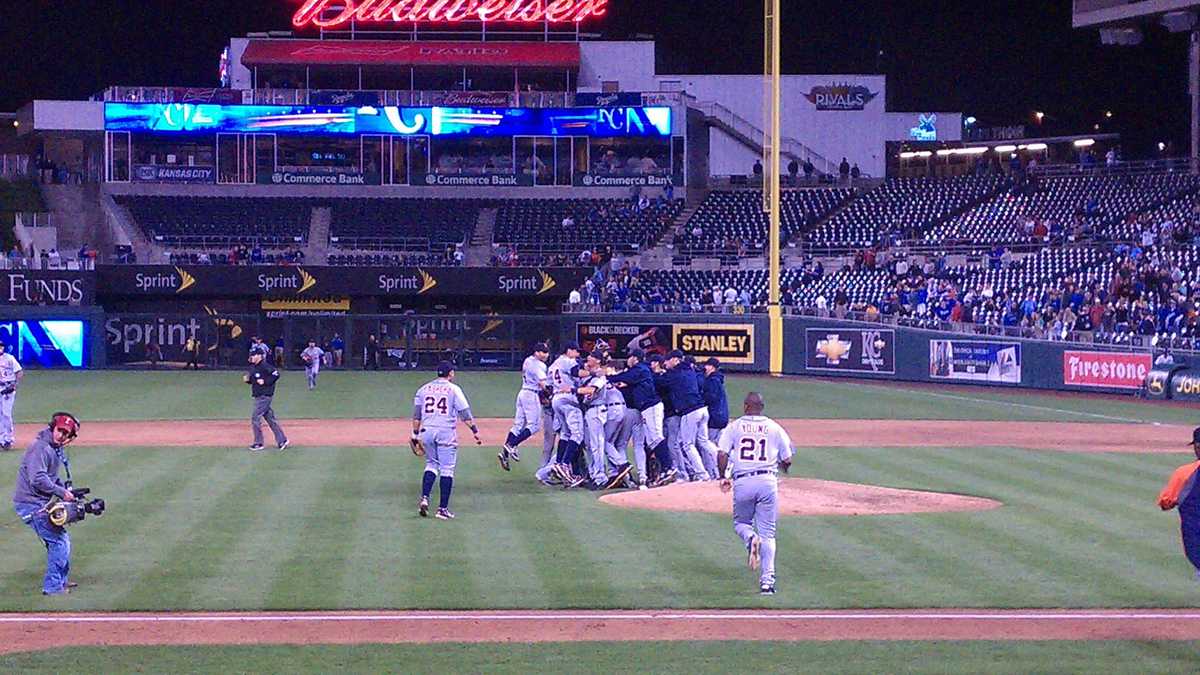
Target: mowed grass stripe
103, 547
518, 508
213, 512
1057, 549
279, 523
315, 567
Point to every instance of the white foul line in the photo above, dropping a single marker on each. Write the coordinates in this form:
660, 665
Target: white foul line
822, 617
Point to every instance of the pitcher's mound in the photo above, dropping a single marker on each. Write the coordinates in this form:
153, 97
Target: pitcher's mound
803, 497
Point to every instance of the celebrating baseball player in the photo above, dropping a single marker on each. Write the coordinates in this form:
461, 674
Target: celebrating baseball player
618, 430
437, 408
11, 374
595, 417
637, 383
568, 416
717, 403
1181, 492
528, 418
751, 453
312, 356
262, 378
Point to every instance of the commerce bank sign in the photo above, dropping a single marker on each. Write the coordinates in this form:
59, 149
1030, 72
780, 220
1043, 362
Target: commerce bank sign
330, 14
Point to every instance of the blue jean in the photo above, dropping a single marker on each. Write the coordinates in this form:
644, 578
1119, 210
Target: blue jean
58, 546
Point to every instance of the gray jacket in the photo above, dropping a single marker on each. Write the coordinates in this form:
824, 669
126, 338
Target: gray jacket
37, 479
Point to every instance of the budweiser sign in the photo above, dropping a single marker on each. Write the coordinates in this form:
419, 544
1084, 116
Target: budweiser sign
1105, 369
337, 13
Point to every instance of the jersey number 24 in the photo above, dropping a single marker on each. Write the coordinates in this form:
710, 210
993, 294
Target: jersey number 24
439, 405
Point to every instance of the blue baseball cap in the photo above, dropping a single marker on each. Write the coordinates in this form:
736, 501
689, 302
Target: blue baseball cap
637, 354
445, 368
571, 345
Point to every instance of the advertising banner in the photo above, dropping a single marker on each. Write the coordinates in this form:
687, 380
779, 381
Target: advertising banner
475, 180
502, 99
323, 178
172, 173
47, 287
1158, 381
850, 350
311, 282
729, 342
1185, 386
841, 97
401, 53
973, 361
621, 181
334, 97
621, 338
1109, 370
602, 99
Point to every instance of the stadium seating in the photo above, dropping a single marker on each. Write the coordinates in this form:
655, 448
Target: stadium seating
736, 220
390, 260
221, 221
908, 206
419, 225
1100, 201
537, 224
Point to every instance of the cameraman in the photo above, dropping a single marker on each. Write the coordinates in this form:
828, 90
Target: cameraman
37, 483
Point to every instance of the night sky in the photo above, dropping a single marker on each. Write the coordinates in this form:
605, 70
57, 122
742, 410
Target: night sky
998, 61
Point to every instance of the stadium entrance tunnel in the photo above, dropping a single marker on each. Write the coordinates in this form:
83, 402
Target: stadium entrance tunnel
804, 497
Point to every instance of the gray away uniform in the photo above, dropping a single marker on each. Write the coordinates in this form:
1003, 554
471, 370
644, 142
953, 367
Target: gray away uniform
567, 412
529, 408
755, 445
439, 405
313, 366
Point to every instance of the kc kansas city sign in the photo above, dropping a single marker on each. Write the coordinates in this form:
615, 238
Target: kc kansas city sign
330, 14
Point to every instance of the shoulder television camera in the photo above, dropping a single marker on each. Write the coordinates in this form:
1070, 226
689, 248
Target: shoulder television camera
64, 513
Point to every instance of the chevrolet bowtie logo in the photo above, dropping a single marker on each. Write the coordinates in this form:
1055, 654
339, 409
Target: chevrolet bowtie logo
833, 349
427, 281
547, 282
186, 280
307, 280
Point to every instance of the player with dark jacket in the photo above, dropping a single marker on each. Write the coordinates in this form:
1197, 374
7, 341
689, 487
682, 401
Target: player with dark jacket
637, 384
713, 389
683, 389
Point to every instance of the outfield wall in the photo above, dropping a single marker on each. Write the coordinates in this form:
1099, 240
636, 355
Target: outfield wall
816, 347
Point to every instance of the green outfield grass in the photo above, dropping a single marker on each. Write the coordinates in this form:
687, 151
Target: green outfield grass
130, 395
631, 657
333, 528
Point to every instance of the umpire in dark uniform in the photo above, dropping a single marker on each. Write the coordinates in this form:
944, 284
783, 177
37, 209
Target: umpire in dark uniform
262, 378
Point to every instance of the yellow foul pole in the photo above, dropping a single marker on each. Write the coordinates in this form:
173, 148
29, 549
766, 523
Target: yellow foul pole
772, 133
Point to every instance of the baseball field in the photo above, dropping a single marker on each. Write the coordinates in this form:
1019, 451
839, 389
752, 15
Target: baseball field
314, 559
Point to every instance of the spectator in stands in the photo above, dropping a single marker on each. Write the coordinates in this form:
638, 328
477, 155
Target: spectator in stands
758, 170
844, 170
855, 172
793, 168
841, 302
730, 296
809, 170
575, 297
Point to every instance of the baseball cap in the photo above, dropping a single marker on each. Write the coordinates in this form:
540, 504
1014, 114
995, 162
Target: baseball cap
713, 361
571, 345
1196, 436
598, 355
445, 368
656, 358
638, 354
675, 354
541, 347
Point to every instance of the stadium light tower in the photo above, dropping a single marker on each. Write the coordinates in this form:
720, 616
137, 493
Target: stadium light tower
772, 133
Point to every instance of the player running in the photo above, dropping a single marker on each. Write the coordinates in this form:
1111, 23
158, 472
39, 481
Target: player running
528, 418
437, 408
759, 448
312, 356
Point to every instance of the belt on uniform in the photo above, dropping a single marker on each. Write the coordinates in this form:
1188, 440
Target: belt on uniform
755, 473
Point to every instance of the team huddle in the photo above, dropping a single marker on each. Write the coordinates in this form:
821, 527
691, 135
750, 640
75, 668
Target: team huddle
675, 414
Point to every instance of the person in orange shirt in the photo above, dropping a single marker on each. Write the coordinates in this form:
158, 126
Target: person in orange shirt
1180, 492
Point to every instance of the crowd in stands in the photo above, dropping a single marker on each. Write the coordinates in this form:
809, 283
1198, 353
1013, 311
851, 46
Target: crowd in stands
240, 254
567, 226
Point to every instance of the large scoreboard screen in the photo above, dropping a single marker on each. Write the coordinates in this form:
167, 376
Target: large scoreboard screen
608, 122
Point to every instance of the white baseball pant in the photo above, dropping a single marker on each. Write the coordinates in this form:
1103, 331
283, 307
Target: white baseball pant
6, 416
594, 419
569, 417
694, 443
529, 413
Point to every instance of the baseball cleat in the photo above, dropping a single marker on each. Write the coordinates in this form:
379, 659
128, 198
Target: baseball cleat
766, 589
574, 482
444, 514
513, 453
257, 447
503, 457
284, 445
754, 553
619, 480
642, 486
668, 477
5, 447
423, 507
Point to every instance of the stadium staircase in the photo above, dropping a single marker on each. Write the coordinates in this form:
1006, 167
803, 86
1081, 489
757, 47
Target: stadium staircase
318, 234
751, 136
75, 211
479, 248
123, 230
